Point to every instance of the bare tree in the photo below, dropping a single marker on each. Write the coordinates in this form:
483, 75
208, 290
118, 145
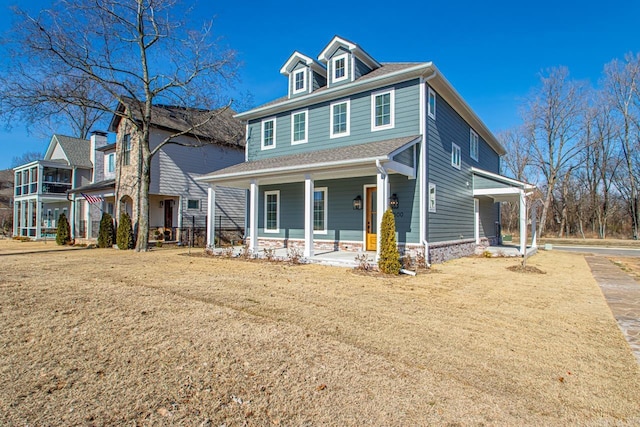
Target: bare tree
27, 157
552, 119
145, 51
621, 80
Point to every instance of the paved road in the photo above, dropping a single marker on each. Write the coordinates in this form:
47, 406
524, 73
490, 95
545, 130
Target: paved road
599, 250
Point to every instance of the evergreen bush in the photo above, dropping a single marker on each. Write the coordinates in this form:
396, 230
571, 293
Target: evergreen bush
105, 235
63, 234
389, 261
124, 235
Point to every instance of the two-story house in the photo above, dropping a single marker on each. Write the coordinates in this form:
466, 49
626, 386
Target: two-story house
176, 200
354, 137
41, 186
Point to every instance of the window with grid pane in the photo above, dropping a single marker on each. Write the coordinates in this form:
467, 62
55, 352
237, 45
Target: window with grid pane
126, 152
299, 127
340, 119
272, 220
320, 210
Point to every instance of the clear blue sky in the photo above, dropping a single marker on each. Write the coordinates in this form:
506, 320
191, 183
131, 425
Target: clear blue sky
492, 52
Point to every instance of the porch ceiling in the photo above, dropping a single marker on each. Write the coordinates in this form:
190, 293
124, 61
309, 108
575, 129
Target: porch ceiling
342, 162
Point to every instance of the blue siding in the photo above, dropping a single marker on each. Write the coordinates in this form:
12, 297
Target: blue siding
318, 81
405, 157
361, 69
489, 214
343, 223
407, 123
454, 216
349, 58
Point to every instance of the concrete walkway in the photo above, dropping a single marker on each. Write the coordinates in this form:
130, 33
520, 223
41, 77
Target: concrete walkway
622, 293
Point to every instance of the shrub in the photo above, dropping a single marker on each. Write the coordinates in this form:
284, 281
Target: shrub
63, 234
295, 256
389, 261
363, 263
105, 235
124, 236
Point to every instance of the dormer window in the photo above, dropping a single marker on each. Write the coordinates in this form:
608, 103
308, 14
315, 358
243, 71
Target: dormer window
299, 81
340, 67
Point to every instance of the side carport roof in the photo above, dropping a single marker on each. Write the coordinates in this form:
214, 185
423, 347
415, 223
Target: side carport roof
323, 161
498, 187
108, 184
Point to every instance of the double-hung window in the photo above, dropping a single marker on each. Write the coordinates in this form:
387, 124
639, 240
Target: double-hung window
272, 211
299, 127
455, 156
268, 134
339, 119
126, 150
320, 210
431, 104
339, 67
382, 110
111, 163
299, 81
473, 145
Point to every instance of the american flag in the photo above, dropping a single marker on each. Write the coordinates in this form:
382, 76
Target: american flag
92, 199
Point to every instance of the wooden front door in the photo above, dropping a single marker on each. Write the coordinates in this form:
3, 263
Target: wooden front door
372, 218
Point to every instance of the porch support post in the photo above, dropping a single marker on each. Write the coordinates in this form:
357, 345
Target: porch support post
253, 216
308, 216
382, 183
88, 217
211, 216
72, 217
523, 223
39, 210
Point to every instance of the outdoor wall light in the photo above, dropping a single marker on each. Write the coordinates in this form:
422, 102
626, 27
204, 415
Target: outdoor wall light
394, 202
357, 203
161, 203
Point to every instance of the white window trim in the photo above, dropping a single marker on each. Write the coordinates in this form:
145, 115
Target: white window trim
302, 71
335, 59
432, 207
432, 114
456, 155
474, 145
306, 127
197, 202
108, 163
348, 131
326, 210
392, 111
262, 146
277, 229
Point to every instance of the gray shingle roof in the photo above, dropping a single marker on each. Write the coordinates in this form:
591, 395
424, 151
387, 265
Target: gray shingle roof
100, 185
222, 128
77, 150
348, 154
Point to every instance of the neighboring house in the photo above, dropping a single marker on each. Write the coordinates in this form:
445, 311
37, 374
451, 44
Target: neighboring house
354, 137
41, 186
6, 201
176, 200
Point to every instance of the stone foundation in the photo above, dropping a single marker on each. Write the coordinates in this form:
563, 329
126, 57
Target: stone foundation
318, 245
444, 251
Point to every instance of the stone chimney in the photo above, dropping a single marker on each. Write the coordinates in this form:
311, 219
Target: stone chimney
98, 140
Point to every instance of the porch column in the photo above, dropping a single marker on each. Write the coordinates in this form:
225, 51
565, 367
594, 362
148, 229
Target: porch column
89, 218
523, 223
534, 218
253, 215
211, 212
72, 216
308, 216
16, 219
40, 211
382, 183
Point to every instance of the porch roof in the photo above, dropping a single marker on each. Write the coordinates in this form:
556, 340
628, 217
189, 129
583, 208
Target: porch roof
498, 187
349, 161
108, 184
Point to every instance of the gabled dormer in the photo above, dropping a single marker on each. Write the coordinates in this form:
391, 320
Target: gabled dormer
345, 61
305, 74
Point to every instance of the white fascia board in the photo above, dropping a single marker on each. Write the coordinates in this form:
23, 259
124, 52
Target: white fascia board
496, 191
302, 168
502, 178
324, 55
338, 91
297, 56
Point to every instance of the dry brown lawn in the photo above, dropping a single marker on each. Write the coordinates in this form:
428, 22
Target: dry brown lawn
94, 337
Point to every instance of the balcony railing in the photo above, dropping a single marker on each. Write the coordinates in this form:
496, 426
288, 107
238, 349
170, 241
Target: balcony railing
55, 187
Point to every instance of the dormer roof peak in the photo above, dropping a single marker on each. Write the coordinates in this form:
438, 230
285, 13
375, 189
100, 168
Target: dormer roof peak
352, 47
296, 57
